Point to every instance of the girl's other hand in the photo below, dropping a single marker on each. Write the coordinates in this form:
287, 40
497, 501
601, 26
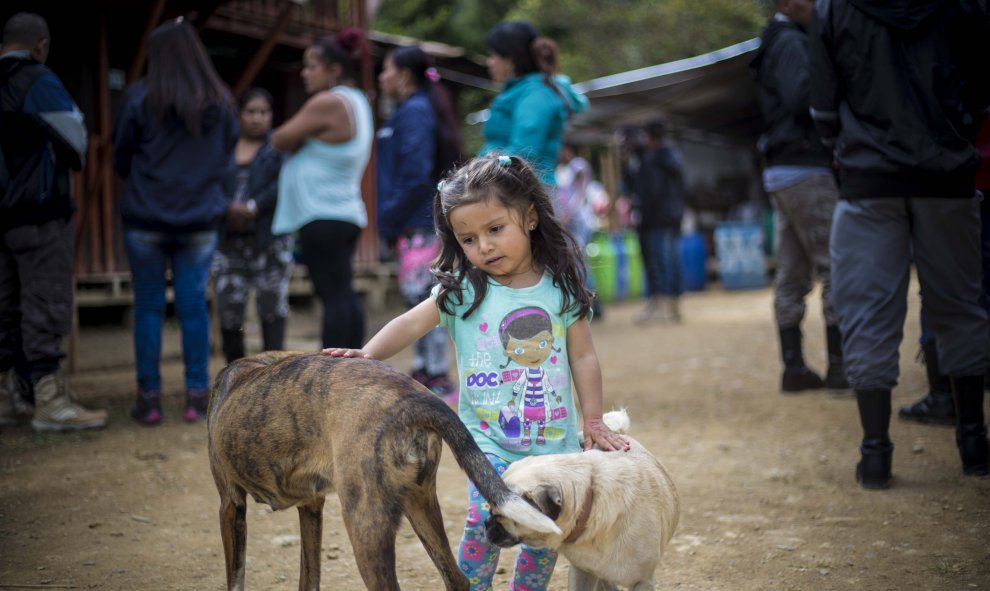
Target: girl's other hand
341, 352
596, 432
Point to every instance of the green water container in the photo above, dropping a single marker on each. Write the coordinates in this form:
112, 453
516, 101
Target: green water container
629, 268
600, 253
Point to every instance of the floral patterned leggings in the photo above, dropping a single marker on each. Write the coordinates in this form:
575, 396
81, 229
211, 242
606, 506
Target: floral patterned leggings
478, 559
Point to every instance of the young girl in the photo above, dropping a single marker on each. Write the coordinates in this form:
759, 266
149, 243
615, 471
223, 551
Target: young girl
512, 296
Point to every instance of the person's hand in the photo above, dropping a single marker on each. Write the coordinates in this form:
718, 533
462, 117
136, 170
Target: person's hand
239, 215
343, 352
596, 432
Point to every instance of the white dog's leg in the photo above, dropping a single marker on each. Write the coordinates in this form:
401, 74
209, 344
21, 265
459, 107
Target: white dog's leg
644, 586
579, 580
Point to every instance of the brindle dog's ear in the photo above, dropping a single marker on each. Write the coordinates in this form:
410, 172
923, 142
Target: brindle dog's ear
549, 500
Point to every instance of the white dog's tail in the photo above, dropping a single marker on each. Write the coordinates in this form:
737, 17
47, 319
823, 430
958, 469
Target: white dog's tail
617, 420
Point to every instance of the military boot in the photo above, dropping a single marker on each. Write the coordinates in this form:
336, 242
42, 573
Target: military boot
56, 411
14, 404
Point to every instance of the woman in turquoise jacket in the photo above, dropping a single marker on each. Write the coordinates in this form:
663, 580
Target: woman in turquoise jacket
527, 118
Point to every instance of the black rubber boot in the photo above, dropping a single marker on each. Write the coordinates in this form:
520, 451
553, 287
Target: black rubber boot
797, 377
835, 378
273, 335
876, 450
233, 343
938, 406
971, 428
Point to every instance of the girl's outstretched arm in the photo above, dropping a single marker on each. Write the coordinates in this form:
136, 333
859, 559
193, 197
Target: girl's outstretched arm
587, 374
398, 334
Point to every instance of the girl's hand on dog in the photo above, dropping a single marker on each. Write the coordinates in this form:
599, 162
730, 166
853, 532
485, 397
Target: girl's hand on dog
596, 432
341, 352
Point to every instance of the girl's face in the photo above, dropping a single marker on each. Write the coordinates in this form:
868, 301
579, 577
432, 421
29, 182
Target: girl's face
500, 68
531, 352
256, 118
495, 239
316, 74
393, 81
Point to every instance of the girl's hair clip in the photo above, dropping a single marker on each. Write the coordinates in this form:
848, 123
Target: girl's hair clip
504, 160
432, 74
440, 185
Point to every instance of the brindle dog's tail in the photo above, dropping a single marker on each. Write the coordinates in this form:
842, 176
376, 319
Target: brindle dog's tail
474, 463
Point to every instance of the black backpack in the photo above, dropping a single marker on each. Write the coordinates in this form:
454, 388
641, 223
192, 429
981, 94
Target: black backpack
27, 174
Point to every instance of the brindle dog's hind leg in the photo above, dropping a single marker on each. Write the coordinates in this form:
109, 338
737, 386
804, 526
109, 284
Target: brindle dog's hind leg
233, 533
372, 521
311, 534
423, 512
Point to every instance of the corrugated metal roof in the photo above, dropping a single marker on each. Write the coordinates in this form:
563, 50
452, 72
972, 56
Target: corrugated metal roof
712, 93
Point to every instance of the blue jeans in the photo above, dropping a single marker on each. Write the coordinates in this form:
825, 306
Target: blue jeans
662, 257
190, 255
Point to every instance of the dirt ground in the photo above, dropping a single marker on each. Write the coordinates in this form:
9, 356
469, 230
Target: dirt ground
766, 480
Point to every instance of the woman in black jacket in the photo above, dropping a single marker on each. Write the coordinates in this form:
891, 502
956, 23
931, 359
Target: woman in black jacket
249, 255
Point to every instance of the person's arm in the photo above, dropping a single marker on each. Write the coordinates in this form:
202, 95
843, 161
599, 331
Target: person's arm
61, 119
265, 192
126, 134
587, 375
322, 112
397, 334
824, 85
790, 77
413, 182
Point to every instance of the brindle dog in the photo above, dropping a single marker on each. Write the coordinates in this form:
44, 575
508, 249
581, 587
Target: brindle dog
290, 428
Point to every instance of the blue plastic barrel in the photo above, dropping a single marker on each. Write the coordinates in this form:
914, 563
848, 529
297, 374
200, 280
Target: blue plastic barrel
740, 254
694, 262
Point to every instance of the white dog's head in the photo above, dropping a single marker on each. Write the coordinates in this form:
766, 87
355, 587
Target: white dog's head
540, 482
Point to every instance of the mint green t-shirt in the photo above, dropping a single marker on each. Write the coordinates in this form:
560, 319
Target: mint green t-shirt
516, 395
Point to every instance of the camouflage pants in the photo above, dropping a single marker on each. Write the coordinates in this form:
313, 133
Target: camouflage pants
239, 265
804, 221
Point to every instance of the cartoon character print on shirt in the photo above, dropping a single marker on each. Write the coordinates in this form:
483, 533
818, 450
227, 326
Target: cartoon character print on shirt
527, 339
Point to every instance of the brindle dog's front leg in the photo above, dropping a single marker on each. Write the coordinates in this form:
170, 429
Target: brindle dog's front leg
233, 532
311, 534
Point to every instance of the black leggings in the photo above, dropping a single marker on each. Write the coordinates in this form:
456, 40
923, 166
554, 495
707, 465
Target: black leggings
327, 248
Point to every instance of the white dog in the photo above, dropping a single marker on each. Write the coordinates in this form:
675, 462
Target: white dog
616, 512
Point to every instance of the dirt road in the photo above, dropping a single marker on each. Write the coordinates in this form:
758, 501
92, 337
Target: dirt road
766, 480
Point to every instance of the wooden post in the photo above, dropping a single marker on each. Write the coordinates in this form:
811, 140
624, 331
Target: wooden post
104, 159
141, 52
261, 56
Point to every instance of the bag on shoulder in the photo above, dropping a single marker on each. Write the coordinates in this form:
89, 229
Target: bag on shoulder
34, 180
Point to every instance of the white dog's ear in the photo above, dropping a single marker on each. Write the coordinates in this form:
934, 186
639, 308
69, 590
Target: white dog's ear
549, 499
526, 514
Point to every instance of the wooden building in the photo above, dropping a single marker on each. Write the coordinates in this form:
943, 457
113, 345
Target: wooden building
98, 47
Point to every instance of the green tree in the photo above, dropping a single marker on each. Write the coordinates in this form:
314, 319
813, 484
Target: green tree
597, 40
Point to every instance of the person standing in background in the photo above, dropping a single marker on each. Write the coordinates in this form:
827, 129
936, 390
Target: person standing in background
249, 255
659, 187
798, 176
573, 204
42, 138
174, 134
418, 143
528, 117
906, 171
319, 190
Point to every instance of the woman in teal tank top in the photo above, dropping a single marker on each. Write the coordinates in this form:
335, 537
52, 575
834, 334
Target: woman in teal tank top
319, 189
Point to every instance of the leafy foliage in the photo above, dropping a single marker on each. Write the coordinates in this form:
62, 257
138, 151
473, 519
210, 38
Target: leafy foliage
595, 38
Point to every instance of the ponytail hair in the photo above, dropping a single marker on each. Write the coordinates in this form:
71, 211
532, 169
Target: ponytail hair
347, 48
449, 143
520, 41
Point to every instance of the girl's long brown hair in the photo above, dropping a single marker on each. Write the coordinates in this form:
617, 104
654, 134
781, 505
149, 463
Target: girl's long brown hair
516, 187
